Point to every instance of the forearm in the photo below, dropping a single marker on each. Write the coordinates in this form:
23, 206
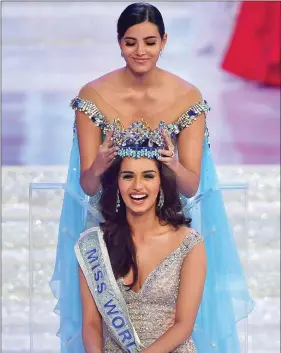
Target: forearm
172, 338
90, 182
187, 180
92, 339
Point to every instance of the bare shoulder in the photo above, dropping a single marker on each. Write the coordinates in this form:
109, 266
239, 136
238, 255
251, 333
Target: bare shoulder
97, 87
185, 90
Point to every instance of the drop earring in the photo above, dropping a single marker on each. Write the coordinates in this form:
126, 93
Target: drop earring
117, 201
161, 199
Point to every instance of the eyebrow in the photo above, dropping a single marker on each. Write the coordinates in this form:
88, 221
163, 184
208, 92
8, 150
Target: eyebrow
150, 37
130, 172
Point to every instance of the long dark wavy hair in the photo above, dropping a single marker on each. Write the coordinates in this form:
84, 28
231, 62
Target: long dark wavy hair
138, 13
116, 229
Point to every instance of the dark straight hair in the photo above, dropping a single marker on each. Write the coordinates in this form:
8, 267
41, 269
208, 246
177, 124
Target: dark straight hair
138, 13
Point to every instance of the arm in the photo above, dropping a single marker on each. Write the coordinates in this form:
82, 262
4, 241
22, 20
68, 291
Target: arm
92, 322
190, 148
94, 157
192, 281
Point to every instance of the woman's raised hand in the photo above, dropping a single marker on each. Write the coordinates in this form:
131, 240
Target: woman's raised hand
105, 156
168, 156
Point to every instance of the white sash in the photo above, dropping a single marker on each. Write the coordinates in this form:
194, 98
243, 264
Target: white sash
92, 255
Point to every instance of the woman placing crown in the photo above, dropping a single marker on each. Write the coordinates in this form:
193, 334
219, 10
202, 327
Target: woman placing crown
143, 113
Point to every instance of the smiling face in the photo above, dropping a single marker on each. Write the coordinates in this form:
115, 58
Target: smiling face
141, 46
139, 184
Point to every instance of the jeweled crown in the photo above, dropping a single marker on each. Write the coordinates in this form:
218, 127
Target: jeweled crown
138, 140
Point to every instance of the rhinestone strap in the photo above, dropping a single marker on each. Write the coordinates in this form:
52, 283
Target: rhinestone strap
91, 110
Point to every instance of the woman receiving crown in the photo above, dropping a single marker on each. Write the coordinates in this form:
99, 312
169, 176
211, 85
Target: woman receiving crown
143, 269
140, 167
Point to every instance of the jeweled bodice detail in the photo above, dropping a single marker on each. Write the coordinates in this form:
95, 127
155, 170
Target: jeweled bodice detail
152, 309
139, 139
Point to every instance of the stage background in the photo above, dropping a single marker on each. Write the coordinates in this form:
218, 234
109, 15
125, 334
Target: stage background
49, 51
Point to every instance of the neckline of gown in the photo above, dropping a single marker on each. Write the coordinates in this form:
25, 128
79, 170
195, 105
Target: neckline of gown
161, 263
109, 122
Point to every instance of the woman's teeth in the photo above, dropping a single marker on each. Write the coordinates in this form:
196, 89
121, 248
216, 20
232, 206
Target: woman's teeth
139, 196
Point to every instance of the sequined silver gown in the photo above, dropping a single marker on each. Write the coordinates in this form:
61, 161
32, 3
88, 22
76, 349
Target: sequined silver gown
152, 308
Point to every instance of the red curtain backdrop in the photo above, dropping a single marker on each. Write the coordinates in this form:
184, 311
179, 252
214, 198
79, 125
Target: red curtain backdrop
254, 49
